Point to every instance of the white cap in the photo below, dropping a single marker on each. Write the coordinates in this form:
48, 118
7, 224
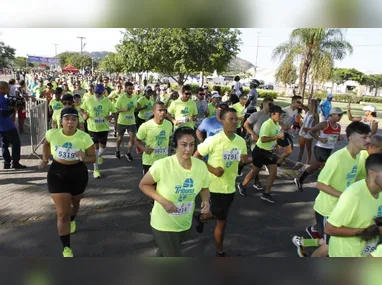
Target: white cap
370, 108
137, 87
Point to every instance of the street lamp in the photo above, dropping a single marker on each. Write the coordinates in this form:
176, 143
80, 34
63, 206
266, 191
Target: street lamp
257, 51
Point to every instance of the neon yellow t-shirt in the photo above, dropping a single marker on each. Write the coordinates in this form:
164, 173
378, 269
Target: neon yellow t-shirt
145, 114
164, 97
65, 147
183, 112
180, 186
157, 137
97, 111
268, 129
339, 172
54, 83
225, 153
114, 95
211, 110
56, 105
126, 118
362, 165
240, 112
37, 90
80, 119
356, 208
377, 252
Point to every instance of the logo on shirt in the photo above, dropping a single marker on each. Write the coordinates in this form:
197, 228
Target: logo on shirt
184, 190
130, 105
98, 110
67, 145
351, 176
379, 211
185, 111
161, 137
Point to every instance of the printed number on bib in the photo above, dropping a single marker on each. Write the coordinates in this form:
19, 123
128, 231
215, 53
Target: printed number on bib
99, 120
147, 114
370, 247
160, 150
183, 119
66, 153
129, 117
231, 155
184, 209
332, 139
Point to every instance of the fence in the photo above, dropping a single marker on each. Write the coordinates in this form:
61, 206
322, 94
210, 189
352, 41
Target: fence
37, 112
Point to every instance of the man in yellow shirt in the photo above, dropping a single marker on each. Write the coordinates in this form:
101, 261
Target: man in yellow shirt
374, 147
225, 151
183, 111
355, 211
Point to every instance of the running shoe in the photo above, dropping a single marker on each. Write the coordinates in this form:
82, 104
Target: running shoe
67, 252
100, 160
73, 227
18, 166
267, 197
312, 232
118, 154
128, 156
265, 168
115, 134
242, 189
220, 254
96, 174
258, 186
298, 184
199, 224
297, 241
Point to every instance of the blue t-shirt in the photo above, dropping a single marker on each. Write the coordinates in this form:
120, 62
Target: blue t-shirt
6, 122
210, 126
326, 106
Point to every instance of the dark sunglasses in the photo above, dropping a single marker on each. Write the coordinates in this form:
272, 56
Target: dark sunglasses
202, 94
187, 93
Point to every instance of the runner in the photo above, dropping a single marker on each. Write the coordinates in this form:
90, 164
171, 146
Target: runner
77, 105
264, 153
326, 106
178, 178
339, 173
126, 105
89, 94
68, 174
369, 118
66, 101
153, 137
329, 133
96, 110
372, 232
211, 126
355, 211
257, 119
37, 90
145, 106
183, 111
375, 146
253, 95
240, 109
311, 119
56, 103
113, 97
202, 105
215, 99
225, 151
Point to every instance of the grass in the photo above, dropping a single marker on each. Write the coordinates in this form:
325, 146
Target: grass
356, 109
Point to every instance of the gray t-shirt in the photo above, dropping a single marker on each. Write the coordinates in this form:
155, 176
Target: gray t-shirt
289, 116
202, 107
256, 120
253, 95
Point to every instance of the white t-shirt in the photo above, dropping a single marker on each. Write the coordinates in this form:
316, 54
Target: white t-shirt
237, 88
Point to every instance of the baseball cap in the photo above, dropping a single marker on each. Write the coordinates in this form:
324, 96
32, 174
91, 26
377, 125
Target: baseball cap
67, 97
222, 105
277, 109
99, 88
370, 108
330, 96
336, 110
69, 111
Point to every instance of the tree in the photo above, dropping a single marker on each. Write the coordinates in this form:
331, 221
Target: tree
7, 53
374, 81
286, 73
179, 52
309, 45
341, 75
113, 63
64, 57
80, 61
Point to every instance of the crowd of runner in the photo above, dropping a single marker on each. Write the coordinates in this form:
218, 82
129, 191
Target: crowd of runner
199, 144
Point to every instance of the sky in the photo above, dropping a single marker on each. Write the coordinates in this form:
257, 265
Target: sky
366, 57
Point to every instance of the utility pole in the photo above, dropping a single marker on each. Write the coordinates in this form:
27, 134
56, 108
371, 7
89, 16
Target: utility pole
55, 49
257, 51
82, 46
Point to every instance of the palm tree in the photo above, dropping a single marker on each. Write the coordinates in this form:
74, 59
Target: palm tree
308, 46
286, 73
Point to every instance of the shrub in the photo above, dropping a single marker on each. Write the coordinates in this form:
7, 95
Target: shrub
370, 99
346, 98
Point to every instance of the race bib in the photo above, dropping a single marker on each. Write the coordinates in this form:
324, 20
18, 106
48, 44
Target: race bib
147, 114
129, 117
231, 155
332, 139
99, 120
183, 119
160, 150
66, 153
183, 209
370, 247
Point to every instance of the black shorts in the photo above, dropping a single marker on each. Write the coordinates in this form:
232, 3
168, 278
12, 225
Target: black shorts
71, 179
99, 137
321, 223
121, 129
286, 141
220, 204
321, 154
146, 168
262, 157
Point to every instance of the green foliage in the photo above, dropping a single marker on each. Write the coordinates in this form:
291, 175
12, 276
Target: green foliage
113, 63
346, 98
287, 72
340, 75
374, 81
178, 52
20, 62
370, 99
64, 57
7, 53
80, 61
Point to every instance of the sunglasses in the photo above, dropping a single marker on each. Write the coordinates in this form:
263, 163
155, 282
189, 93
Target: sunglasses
202, 94
187, 93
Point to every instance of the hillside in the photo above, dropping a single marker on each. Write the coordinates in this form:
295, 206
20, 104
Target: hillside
97, 54
238, 66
